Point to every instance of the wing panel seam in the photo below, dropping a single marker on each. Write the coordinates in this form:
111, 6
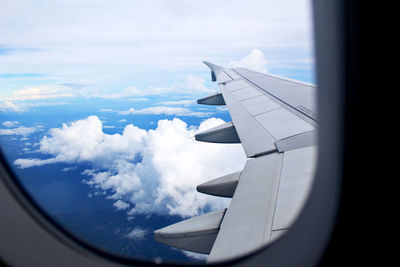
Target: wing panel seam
276, 194
278, 100
253, 118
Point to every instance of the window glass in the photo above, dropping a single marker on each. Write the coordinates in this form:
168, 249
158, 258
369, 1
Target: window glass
98, 107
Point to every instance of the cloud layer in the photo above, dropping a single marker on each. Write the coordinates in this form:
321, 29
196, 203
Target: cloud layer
10, 106
43, 92
193, 85
166, 110
69, 43
154, 171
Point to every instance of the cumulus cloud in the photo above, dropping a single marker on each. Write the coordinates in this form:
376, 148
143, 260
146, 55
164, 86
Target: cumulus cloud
154, 171
84, 141
166, 110
254, 61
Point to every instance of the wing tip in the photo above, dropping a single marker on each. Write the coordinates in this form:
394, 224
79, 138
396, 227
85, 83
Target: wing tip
213, 66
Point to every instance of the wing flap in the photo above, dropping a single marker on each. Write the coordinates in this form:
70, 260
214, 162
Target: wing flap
225, 133
248, 221
216, 100
196, 234
296, 179
306, 139
224, 186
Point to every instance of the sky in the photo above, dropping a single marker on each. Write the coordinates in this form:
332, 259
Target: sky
103, 48
110, 87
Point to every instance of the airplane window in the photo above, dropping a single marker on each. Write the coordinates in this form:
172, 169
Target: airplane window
99, 120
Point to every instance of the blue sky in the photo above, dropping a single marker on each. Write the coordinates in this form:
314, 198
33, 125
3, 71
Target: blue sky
106, 90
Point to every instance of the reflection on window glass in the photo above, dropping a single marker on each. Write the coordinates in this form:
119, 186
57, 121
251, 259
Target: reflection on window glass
98, 107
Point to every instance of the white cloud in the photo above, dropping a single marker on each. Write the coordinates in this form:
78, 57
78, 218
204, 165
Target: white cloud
43, 92
152, 171
254, 61
67, 169
133, 91
185, 102
137, 233
121, 205
11, 106
137, 94
21, 130
153, 33
75, 42
197, 85
84, 140
27, 163
19, 106
193, 85
166, 110
195, 255
138, 99
10, 124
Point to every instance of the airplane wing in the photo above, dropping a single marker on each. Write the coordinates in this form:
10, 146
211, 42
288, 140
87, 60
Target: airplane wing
275, 120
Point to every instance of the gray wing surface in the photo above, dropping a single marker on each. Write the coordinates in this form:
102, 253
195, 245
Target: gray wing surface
275, 120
